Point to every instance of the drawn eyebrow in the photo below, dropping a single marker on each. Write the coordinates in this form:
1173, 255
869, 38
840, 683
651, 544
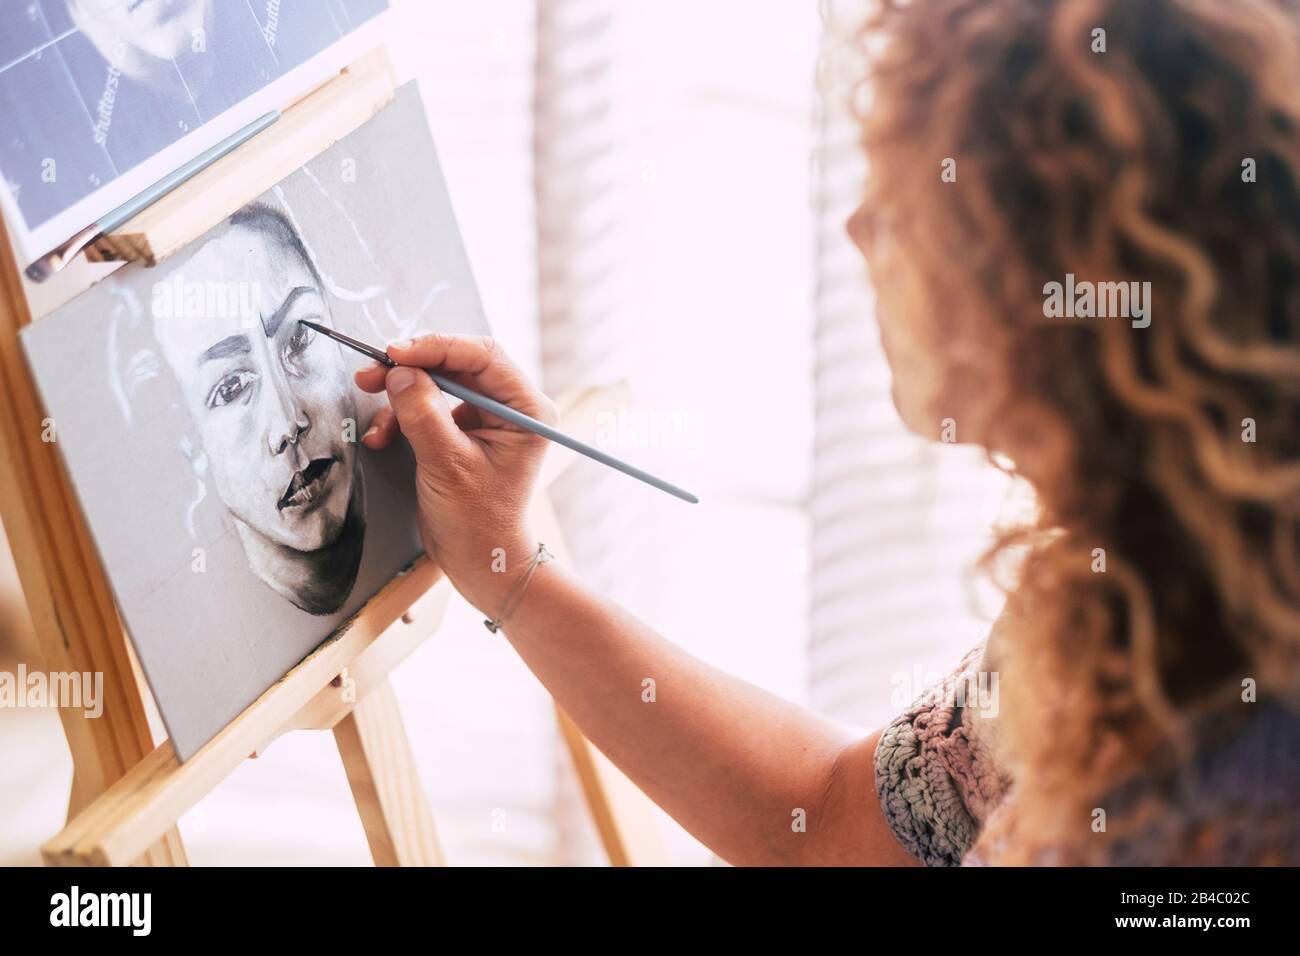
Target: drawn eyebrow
272, 325
230, 345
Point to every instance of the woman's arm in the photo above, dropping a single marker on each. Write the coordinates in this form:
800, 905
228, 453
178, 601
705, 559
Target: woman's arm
756, 779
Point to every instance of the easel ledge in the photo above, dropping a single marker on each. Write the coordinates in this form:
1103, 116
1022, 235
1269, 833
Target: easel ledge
306, 128
127, 792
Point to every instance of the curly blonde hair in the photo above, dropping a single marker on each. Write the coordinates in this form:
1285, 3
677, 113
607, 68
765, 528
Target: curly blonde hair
1119, 141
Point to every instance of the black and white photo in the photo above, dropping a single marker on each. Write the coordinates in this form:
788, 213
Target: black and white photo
92, 91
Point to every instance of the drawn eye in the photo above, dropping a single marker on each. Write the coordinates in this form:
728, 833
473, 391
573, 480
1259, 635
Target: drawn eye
230, 388
301, 338
297, 344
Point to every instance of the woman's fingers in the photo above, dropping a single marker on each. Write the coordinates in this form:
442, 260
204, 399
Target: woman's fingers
383, 429
474, 361
470, 418
425, 418
372, 378
479, 362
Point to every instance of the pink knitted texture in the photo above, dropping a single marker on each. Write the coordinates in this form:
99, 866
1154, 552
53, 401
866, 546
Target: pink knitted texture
936, 776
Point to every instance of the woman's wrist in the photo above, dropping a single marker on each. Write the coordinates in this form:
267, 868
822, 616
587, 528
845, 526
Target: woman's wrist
487, 584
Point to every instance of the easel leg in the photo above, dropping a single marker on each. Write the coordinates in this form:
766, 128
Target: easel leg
75, 801
623, 815
381, 771
621, 812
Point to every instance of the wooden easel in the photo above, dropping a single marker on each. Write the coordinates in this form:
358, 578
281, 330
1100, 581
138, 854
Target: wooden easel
127, 794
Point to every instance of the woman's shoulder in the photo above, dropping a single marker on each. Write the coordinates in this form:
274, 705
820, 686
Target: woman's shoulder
937, 778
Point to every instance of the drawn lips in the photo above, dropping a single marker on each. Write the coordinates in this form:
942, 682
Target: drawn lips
306, 485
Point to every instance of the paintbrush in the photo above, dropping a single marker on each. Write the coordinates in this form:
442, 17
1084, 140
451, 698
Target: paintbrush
510, 415
53, 261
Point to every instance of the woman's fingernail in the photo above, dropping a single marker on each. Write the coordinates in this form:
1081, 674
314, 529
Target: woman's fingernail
401, 344
371, 432
400, 379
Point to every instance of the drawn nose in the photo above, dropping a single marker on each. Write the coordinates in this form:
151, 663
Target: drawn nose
293, 429
291, 422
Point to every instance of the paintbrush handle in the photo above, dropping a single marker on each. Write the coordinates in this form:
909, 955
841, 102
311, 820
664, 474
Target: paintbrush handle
555, 435
52, 262
187, 171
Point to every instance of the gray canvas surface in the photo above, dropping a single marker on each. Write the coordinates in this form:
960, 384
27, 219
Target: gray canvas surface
207, 436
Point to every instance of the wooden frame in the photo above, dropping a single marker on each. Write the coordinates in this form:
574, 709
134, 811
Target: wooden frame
127, 793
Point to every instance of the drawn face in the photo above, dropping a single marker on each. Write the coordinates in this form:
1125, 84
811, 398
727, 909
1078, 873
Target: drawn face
161, 28
270, 398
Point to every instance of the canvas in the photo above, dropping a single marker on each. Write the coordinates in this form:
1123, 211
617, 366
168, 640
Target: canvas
213, 440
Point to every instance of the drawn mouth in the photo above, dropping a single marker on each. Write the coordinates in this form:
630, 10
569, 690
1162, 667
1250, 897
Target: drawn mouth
307, 485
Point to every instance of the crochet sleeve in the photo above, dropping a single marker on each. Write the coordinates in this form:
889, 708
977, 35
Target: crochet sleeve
936, 776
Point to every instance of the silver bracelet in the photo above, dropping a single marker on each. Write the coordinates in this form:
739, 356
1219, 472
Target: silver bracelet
516, 593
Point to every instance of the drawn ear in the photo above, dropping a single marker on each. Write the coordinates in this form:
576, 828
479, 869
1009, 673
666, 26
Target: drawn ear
192, 448
132, 358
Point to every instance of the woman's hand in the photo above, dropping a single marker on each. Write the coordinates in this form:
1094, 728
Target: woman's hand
475, 472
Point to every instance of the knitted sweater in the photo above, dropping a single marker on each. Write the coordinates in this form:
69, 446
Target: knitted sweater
1236, 803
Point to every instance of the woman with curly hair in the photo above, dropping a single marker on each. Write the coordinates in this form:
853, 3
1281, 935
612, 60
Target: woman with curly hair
1137, 154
